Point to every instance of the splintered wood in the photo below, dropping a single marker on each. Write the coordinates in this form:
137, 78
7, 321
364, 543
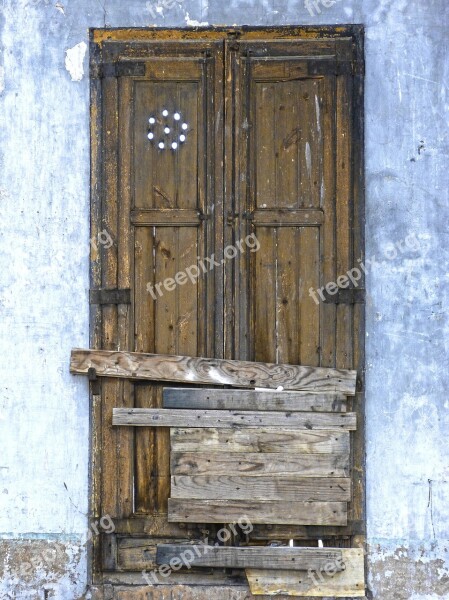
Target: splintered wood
185, 369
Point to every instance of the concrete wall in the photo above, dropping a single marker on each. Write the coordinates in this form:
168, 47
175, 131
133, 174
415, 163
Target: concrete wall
44, 235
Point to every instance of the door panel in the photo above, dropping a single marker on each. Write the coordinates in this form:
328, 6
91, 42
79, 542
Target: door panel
173, 225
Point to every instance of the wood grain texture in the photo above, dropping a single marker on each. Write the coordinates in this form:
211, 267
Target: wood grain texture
252, 400
155, 417
264, 439
255, 464
265, 512
338, 584
256, 557
160, 367
275, 487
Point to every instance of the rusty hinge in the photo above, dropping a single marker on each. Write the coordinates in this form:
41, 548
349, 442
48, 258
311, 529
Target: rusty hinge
119, 69
94, 381
344, 296
114, 296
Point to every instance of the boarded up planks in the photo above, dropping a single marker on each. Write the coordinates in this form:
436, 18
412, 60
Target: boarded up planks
258, 463
252, 400
147, 417
235, 487
160, 367
265, 512
264, 439
327, 582
260, 473
250, 557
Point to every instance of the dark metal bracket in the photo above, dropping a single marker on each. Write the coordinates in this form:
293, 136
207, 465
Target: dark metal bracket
94, 381
345, 296
113, 296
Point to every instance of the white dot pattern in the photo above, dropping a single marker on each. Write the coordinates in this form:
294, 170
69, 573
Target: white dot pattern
167, 130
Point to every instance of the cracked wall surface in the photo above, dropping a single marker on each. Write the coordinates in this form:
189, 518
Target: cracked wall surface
44, 237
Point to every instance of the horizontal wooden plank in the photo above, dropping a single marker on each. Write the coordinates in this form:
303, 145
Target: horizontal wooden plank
256, 557
161, 417
212, 371
257, 511
258, 463
252, 400
275, 487
326, 582
263, 439
269, 217
165, 217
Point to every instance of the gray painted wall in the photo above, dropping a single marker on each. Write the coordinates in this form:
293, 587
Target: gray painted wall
44, 236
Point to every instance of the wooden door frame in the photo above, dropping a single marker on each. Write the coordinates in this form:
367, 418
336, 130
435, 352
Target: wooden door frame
112, 216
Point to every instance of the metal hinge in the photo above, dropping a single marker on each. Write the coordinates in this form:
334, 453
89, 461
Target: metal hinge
114, 296
94, 381
118, 69
345, 296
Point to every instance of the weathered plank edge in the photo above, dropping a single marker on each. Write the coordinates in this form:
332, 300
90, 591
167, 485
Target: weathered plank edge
160, 417
348, 583
284, 557
184, 369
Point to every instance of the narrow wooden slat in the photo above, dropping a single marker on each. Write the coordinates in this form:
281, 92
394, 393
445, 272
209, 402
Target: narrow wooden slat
288, 217
255, 464
252, 400
161, 367
148, 417
266, 439
349, 583
264, 512
255, 557
274, 487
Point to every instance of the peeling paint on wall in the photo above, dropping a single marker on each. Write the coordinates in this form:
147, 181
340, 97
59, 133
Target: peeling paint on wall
74, 61
193, 22
409, 573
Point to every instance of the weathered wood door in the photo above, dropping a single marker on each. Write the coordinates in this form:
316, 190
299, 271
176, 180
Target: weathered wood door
226, 171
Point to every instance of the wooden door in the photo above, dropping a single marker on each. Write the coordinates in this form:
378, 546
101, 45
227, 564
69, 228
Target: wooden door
205, 142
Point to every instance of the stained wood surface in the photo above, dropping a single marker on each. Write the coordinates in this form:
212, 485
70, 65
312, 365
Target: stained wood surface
264, 439
252, 400
154, 417
159, 367
349, 583
265, 512
259, 463
257, 557
275, 487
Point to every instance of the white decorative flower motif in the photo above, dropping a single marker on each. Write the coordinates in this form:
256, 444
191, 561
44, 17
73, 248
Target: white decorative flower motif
167, 130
